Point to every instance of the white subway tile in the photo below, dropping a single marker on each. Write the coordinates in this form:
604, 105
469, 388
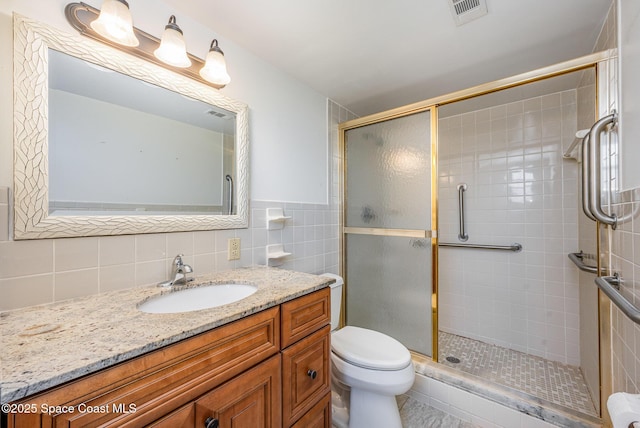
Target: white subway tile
76, 283
24, 291
116, 250
151, 247
26, 258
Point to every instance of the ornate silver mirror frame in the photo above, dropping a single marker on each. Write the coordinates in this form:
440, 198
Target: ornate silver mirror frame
32, 41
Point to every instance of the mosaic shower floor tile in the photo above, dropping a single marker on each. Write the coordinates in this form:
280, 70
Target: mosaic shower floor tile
554, 382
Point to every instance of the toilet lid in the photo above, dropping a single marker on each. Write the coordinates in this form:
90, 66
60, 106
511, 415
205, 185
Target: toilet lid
369, 349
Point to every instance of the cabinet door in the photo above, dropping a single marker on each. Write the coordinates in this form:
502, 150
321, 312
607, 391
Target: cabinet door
318, 417
144, 389
251, 400
305, 374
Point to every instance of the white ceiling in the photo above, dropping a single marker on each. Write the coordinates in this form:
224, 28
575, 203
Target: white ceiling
373, 55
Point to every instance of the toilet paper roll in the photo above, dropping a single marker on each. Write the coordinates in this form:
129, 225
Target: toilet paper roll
624, 409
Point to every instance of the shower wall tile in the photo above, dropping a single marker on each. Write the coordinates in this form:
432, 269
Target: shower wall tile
48, 270
519, 190
621, 247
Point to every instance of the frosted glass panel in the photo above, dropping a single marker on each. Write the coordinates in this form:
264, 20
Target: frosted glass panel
388, 186
389, 288
389, 174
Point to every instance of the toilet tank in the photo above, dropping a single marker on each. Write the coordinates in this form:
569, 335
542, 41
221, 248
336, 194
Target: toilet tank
336, 299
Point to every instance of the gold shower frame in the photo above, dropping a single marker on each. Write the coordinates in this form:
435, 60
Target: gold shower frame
582, 63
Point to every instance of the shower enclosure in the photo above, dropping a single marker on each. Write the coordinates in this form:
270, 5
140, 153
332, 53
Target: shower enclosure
459, 214
388, 222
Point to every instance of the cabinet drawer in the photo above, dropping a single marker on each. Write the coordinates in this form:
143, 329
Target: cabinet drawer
250, 400
305, 374
304, 315
318, 417
184, 417
157, 383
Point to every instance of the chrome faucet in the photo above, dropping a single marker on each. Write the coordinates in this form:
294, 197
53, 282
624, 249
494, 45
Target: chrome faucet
179, 272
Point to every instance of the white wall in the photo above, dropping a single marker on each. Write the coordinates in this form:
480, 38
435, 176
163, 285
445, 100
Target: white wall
629, 49
287, 119
145, 159
289, 155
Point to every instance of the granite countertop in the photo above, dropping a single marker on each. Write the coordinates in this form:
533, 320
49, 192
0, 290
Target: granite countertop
47, 345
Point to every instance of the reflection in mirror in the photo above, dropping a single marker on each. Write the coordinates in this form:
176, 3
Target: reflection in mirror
83, 168
122, 146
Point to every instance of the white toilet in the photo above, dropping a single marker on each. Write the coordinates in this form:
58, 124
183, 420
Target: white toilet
368, 370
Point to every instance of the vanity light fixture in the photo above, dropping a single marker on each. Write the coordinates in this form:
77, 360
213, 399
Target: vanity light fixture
115, 23
169, 53
172, 48
215, 69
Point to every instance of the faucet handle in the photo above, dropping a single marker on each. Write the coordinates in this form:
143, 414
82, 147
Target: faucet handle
177, 260
179, 267
179, 272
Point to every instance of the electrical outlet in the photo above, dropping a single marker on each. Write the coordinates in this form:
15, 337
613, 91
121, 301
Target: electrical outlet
233, 252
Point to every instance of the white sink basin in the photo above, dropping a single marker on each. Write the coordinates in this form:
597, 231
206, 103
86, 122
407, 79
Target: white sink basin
197, 298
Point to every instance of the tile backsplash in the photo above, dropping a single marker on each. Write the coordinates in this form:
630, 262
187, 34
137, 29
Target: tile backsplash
35, 272
42, 271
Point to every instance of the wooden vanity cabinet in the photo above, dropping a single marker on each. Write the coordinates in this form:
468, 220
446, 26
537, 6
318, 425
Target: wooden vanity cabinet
238, 374
250, 400
306, 371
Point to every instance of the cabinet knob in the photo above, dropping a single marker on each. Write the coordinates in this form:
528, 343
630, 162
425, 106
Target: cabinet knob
312, 374
211, 423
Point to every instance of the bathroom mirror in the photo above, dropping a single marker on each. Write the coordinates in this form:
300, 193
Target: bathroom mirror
155, 152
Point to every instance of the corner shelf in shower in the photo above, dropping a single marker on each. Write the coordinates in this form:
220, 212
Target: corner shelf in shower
276, 218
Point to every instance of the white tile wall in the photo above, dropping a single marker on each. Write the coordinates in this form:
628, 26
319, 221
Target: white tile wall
621, 247
43, 271
624, 259
519, 190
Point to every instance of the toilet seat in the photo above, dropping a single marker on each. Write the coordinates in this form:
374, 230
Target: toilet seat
369, 349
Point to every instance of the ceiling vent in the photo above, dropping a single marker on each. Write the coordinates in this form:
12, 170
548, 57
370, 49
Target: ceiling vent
464, 11
216, 113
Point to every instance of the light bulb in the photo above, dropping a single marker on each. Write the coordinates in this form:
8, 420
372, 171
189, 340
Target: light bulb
114, 23
173, 50
215, 67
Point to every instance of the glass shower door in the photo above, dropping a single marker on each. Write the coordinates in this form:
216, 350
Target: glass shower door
387, 239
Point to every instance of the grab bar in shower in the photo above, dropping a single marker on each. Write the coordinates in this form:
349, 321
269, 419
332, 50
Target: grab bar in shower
595, 191
586, 178
610, 286
462, 236
230, 181
591, 180
513, 247
578, 260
